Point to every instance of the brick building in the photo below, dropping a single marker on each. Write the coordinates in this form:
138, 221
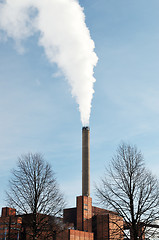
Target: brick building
10, 224
83, 222
19, 227
88, 222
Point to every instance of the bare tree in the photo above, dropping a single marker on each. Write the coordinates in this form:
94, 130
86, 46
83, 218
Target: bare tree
132, 191
33, 191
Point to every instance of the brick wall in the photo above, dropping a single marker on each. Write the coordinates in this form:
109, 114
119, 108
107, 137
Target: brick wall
71, 234
10, 227
84, 213
70, 216
6, 211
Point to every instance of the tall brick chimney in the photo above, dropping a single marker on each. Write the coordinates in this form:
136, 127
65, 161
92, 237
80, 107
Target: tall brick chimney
86, 161
84, 202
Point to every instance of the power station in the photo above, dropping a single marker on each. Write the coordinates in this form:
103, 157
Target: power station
83, 222
87, 222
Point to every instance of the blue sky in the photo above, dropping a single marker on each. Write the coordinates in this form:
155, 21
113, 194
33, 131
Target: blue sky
38, 113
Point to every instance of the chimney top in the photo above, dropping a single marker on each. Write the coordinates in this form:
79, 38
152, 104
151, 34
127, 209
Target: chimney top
86, 128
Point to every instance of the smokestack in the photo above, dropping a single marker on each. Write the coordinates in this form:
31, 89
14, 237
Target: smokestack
85, 161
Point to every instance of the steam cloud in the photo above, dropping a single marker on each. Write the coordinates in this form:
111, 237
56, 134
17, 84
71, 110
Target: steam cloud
64, 36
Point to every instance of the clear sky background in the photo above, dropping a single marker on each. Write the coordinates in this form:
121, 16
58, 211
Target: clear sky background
38, 113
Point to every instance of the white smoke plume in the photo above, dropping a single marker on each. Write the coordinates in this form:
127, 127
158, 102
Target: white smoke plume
64, 36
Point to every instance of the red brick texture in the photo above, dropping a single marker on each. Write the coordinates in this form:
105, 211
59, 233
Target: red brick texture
84, 213
10, 225
72, 234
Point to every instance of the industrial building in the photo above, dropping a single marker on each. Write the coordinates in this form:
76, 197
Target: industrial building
10, 224
83, 222
86, 221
